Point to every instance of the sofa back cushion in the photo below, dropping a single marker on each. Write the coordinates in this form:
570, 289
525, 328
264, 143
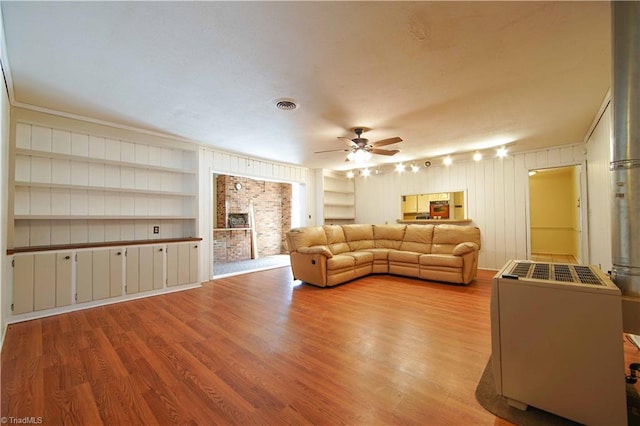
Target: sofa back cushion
306, 237
446, 237
335, 239
388, 236
417, 238
358, 236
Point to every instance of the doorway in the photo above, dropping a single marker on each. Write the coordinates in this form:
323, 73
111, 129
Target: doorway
250, 219
555, 200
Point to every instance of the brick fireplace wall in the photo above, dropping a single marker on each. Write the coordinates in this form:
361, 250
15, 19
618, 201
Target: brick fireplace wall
272, 207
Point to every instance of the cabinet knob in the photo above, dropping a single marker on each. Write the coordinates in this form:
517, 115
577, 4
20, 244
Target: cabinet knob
119, 253
195, 246
67, 257
160, 250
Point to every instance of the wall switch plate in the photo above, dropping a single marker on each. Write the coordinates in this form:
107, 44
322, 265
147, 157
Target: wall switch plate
156, 229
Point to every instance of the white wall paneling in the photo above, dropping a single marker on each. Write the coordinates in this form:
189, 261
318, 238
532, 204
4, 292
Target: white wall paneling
496, 196
599, 195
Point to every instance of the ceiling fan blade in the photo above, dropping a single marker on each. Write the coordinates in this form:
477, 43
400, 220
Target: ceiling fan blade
385, 151
388, 141
331, 150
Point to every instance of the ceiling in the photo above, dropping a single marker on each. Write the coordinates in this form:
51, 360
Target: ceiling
447, 77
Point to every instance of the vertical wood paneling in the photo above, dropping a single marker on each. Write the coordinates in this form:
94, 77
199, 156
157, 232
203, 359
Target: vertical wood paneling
60, 234
41, 138
600, 197
61, 142
97, 147
23, 136
497, 196
80, 144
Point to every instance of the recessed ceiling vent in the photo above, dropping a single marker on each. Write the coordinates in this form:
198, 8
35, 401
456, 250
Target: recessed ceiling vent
286, 104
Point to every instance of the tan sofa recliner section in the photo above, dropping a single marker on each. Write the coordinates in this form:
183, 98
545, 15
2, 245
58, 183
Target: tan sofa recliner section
334, 254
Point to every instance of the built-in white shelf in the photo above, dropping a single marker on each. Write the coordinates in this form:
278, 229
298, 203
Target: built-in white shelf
97, 217
338, 198
103, 189
59, 156
79, 187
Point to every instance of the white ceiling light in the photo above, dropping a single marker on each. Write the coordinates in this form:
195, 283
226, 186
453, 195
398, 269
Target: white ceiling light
477, 156
447, 161
399, 167
366, 172
502, 152
414, 168
350, 174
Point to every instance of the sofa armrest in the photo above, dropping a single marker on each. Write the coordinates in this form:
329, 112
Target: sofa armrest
464, 248
324, 250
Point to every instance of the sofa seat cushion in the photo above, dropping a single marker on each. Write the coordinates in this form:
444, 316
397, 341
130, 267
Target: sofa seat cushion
404, 256
447, 260
340, 261
361, 257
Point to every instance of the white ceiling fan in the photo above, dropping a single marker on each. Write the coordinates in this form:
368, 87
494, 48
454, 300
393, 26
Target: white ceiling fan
359, 149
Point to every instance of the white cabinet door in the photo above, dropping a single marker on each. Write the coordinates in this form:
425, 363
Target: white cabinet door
182, 263
193, 262
41, 281
133, 270
158, 267
100, 274
172, 265
84, 276
23, 272
115, 272
44, 283
145, 268
64, 266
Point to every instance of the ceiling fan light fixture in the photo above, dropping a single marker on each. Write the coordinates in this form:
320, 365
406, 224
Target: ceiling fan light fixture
359, 156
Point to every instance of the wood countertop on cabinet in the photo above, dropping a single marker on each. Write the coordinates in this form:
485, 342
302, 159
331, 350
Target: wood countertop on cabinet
435, 221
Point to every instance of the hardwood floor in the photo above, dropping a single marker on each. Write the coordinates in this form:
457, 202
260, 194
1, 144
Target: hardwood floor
259, 348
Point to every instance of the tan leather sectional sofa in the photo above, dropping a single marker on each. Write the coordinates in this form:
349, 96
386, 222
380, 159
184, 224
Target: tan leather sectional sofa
334, 254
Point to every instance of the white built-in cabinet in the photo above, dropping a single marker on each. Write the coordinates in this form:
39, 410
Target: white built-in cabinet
52, 281
338, 198
71, 187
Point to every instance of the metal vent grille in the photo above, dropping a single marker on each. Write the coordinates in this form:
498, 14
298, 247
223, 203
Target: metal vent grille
556, 272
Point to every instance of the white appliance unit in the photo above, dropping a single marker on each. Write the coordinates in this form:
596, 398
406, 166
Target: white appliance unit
556, 334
